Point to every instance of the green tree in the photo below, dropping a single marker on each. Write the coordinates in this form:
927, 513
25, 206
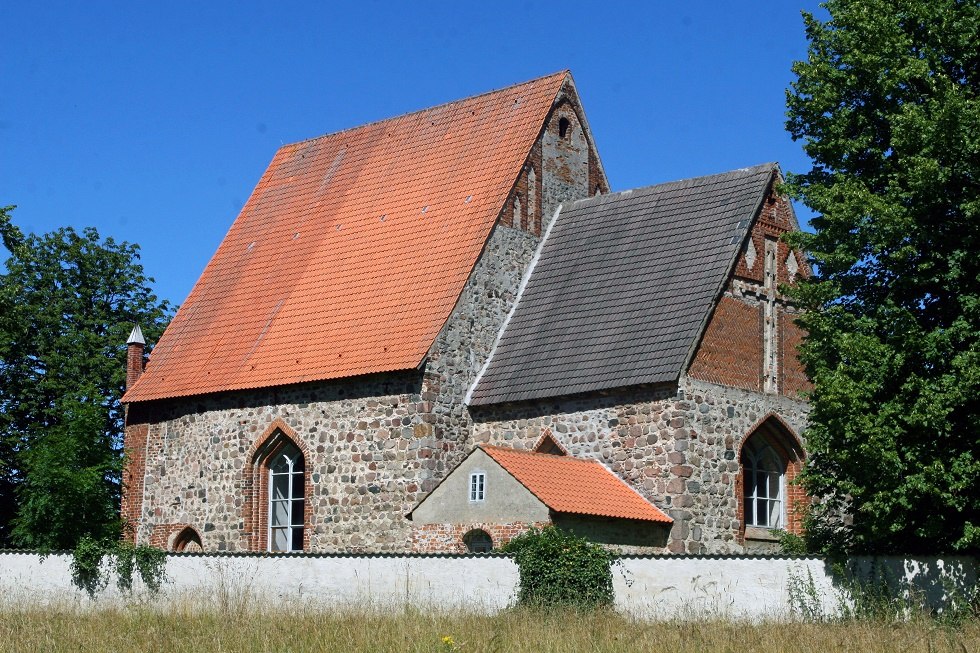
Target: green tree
887, 108
67, 303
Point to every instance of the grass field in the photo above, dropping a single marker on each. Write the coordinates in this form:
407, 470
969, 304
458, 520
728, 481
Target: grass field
145, 629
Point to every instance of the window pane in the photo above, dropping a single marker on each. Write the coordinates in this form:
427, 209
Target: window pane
774, 486
760, 484
297, 538
298, 513
280, 539
775, 514
761, 512
280, 486
297, 486
280, 465
769, 461
747, 507
280, 513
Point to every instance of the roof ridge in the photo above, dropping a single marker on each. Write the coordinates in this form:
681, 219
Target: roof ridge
566, 71
666, 185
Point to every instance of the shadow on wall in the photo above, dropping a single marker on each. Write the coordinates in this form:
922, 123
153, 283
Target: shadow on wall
361, 387
894, 588
615, 532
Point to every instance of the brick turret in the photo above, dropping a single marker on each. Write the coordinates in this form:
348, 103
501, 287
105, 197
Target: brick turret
136, 346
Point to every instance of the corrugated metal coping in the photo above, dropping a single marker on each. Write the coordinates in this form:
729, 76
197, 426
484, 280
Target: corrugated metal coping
264, 554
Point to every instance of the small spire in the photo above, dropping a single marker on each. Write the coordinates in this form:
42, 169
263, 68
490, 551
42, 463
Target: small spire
136, 336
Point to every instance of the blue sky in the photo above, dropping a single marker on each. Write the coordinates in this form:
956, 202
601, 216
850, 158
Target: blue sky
153, 122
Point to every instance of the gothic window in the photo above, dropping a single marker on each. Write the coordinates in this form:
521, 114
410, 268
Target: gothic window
563, 127
532, 183
763, 480
286, 500
771, 458
549, 445
478, 541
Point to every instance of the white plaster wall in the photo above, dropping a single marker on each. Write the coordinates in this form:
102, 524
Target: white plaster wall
698, 588
484, 585
740, 588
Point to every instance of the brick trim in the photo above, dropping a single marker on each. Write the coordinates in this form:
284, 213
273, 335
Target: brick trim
133, 477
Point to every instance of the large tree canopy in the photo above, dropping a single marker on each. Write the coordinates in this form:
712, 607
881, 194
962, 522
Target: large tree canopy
887, 108
67, 304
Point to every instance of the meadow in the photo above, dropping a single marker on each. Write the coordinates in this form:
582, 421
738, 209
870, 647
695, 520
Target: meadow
152, 629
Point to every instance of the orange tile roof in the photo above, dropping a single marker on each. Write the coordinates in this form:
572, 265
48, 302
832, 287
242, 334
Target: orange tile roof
573, 485
352, 250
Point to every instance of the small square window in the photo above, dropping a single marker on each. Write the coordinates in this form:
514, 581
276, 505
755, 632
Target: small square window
478, 483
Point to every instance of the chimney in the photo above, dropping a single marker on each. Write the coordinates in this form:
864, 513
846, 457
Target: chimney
135, 346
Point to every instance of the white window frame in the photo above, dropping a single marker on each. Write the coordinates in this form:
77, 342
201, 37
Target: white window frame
292, 455
477, 487
752, 468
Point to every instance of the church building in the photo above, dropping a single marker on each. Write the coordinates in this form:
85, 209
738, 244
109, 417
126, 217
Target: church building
432, 332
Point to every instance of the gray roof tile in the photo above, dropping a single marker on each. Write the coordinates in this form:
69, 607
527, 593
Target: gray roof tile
622, 288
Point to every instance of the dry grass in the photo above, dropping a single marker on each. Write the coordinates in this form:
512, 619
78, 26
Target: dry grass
146, 629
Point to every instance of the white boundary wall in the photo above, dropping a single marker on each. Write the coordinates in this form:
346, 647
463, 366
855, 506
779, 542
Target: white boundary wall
753, 588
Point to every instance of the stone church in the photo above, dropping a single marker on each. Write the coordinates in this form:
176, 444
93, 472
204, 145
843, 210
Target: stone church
435, 331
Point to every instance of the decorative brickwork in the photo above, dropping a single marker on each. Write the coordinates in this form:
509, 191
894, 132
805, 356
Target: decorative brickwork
731, 350
750, 341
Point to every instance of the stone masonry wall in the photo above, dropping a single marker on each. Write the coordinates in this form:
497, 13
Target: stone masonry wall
676, 445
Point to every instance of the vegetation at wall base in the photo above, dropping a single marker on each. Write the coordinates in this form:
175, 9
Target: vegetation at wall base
68, 300
90, 573
559, 569
887, 108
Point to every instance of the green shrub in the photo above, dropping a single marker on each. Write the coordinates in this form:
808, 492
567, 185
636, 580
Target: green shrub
88, 572
560, 569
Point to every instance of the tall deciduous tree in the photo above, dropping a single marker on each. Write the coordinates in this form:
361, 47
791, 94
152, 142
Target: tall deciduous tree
887, 108
67, 303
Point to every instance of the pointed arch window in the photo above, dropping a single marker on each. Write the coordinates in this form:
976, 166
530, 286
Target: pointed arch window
770, 460
764, 481
287, 499
532, 186
277, 484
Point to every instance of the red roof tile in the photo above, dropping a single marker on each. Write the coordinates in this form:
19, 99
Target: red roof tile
573, 485
352, 250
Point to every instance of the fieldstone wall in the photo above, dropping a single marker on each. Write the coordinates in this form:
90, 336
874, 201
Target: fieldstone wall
677, 445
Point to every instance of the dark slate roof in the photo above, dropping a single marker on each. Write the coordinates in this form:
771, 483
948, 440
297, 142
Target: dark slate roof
622, 288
